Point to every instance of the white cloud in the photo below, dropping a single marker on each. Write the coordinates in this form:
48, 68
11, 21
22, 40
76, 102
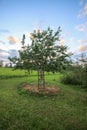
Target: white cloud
3, 47
16, 46
66, 34
12, 39
13, 52
82, 48
61, 41
2, 42
4, 54
29, 35
71, 40
82, 41
82, 27
83, 11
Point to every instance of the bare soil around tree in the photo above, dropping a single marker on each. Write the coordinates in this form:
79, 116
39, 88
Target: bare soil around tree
49, 89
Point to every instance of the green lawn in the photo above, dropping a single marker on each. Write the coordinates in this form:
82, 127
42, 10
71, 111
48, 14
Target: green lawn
65, 111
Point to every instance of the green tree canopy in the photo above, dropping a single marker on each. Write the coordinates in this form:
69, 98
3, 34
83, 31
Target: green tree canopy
44, 53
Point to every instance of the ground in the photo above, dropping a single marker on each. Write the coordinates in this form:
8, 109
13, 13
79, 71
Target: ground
66, 110
48, 89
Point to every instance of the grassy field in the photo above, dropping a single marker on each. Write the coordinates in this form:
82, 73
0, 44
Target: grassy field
18, 111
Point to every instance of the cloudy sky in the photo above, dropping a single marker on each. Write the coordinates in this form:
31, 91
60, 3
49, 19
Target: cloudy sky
18, 17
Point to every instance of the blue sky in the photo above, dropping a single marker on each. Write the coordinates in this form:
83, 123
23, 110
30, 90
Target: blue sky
23, 16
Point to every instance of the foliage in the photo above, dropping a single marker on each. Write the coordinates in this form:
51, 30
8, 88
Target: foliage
78, 76
44, 54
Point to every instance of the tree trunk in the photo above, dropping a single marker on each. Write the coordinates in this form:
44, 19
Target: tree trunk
41, 79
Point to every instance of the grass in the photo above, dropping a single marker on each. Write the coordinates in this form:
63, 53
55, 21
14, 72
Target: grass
65, 111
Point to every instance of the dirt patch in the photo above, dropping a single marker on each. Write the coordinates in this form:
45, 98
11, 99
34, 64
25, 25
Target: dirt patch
48, 89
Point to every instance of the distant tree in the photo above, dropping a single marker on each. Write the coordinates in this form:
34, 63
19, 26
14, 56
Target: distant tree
1, 63
6, 65
83, 59
44, 54
10, 65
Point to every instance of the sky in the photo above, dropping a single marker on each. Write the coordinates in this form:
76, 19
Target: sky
18, 17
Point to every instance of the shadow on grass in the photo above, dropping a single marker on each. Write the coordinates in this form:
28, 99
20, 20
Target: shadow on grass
12, 76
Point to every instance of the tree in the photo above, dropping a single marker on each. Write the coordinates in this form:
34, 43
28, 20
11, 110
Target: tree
83, 59
1, 63
43, 54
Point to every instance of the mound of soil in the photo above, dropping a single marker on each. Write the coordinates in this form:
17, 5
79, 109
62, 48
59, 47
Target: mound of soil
48, 89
